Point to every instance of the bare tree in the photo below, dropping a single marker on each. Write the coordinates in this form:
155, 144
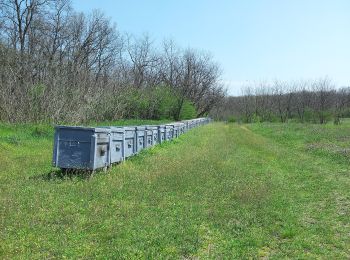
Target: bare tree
342, 100
60, 65
322, 89
143, 59
307, 101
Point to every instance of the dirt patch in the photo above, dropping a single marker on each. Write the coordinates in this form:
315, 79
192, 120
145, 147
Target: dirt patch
329, 148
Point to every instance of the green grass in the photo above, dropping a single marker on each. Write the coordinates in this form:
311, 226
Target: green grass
219, 191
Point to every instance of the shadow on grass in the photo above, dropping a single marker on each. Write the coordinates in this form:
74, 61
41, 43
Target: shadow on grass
75, 174
66, 174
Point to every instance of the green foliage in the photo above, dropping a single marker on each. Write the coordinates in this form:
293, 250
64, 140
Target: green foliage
273, 118
150, 103
188, 110
244, 119
325, 115
256, 118
346, 113
231, 119
254, 191
310, 116
166, 102
133, 101
159, 102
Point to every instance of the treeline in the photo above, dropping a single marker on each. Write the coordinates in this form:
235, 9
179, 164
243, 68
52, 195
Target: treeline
59, 65
304, 101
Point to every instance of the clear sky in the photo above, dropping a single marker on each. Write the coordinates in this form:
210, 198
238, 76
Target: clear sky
252, 39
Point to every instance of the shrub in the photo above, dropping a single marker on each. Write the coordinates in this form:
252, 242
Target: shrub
256, 119
231, 119
188, 110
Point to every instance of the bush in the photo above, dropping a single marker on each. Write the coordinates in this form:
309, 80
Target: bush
256, 119
231, 119
310, 116
166, 102
157, 102
188, 111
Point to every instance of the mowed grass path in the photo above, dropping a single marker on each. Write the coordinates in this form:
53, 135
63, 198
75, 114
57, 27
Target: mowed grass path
219, 191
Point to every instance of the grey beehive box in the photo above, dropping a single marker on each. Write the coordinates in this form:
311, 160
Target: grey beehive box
151, 135
129, 141
169, 132
161, 134
117, 144
181, 128
86, 148
140, 138
90, 148
176, 129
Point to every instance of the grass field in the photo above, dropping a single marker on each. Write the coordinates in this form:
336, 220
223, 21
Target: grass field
219, 191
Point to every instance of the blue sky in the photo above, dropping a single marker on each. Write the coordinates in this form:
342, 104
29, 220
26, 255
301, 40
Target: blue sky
253, 40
